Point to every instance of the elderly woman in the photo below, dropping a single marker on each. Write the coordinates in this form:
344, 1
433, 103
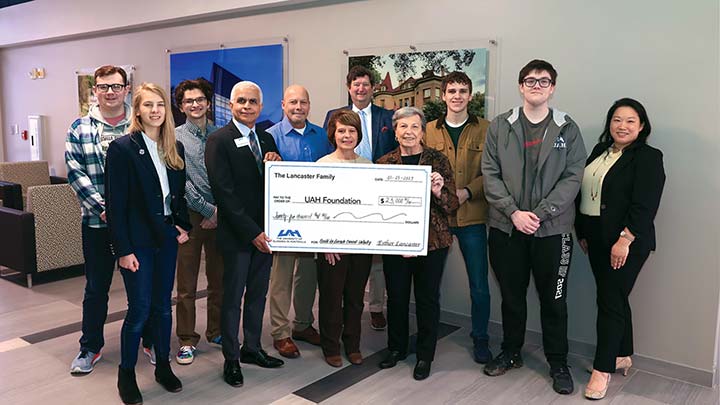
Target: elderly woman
619, 198
148, 218
342, 278
425, 272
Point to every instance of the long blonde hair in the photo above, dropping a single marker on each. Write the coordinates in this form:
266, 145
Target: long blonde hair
166, 146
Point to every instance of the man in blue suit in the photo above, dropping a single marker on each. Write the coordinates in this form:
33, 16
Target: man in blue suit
378, 139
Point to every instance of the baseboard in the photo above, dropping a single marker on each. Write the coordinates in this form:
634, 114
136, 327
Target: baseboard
640, 362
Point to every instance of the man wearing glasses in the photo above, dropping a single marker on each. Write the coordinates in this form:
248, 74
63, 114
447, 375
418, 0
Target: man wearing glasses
86, 144
193, 98
533, 164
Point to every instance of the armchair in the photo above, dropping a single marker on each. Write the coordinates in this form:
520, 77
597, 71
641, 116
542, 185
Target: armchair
47, 234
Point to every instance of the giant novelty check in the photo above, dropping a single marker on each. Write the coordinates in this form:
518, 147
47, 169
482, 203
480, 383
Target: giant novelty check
347, 208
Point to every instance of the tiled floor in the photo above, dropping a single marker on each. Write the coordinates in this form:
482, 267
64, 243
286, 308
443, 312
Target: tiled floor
38, 373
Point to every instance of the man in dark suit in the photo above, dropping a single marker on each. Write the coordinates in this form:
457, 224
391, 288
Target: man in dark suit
378, 139
234, 157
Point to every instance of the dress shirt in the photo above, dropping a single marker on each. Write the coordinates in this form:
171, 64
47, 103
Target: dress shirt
366, 123
161, 171
197, 187
306, 145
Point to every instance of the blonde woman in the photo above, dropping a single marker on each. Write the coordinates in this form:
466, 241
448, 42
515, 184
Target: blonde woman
147, 216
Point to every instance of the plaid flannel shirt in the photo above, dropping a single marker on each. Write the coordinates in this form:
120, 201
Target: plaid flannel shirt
85, 161
198, 195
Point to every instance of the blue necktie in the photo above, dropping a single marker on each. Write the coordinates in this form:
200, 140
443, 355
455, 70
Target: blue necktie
255, 148
364, 149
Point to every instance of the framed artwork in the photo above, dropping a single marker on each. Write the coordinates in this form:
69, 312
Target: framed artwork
223, 67
413, 78
85, 78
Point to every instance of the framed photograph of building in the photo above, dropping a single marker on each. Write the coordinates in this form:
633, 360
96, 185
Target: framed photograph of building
224, 66
413, 78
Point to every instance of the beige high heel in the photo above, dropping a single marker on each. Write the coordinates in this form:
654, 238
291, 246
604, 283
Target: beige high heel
597, 394
624, 364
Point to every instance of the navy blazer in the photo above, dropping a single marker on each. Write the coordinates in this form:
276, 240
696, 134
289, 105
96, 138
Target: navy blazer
133, 196
630, 195
237, 186
382, 129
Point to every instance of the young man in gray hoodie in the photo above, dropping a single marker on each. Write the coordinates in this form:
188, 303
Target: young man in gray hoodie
532, 166
86, 143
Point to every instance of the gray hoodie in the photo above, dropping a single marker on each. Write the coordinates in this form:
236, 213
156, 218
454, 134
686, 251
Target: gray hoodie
559, 175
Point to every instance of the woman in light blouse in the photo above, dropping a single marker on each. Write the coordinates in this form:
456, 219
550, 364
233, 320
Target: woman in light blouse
618, 200
342, 278
147, 216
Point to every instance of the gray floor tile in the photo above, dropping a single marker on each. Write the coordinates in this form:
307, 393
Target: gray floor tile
669, 391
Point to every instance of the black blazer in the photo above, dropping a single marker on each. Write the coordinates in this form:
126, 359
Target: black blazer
133, 196
630, 195
382, 129
237, 186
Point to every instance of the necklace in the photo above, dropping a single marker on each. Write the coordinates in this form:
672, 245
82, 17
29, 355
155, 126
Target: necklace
605, 163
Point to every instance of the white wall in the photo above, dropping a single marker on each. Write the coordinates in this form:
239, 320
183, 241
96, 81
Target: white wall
664, 53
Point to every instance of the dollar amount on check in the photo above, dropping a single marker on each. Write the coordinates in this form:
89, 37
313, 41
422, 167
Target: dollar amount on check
347, 208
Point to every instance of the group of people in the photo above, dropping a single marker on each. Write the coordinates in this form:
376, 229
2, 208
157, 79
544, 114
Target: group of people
154, 197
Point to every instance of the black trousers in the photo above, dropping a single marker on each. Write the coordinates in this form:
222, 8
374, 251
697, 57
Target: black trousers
246, 273
342, 289
513, 258
425, 272
614, 318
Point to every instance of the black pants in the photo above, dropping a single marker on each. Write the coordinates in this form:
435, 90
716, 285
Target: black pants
614, 318
425, 272
246, 273
513, 258
342, 289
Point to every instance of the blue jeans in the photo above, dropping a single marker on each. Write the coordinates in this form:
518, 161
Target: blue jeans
473, 245
99, 266
149, 292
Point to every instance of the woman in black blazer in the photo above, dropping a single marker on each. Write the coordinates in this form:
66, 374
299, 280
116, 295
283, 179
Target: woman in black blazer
147, 217
618, 200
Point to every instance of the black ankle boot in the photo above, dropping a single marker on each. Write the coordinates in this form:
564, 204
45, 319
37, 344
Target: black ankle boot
127, 387
165, 376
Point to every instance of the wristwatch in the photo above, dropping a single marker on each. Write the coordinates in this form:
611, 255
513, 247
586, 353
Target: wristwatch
626, 235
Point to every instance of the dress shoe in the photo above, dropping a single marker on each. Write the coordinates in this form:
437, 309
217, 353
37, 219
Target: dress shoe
260, 358
355, 358
335, 361
392, 359
232, 374
562, 379
127, 387
624, 364
597, 394
308, 334
422, 370
164, 375
377, 321
287, 348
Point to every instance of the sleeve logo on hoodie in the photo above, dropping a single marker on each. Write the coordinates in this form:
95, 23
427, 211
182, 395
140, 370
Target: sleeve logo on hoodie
559, 143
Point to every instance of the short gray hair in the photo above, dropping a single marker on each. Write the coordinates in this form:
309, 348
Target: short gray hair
243, 84
406, 112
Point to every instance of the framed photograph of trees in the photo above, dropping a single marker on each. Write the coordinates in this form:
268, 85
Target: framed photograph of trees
413, 78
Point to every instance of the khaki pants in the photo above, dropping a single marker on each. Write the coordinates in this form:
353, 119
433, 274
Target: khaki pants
188, 268
291, 271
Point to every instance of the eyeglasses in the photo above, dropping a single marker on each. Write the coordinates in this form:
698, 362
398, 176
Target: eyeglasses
103, 88
543, 81
191, 101
243, 100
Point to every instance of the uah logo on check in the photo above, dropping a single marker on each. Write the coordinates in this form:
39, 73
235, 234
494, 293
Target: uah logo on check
289, 233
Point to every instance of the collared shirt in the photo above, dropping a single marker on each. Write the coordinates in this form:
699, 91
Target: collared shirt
368, 122
85, 160
161, 170
307, 146
197, 186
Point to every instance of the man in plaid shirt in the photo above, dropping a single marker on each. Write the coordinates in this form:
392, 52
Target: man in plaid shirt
87, 142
